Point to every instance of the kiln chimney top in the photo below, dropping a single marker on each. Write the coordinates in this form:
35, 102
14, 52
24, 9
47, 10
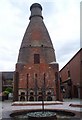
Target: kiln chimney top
36, 10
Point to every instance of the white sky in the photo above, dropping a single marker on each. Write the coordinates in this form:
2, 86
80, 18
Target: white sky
61, 17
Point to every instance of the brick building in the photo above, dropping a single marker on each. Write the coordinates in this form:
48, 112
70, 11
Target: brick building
6, 83
71, 77
36, 74
6, 79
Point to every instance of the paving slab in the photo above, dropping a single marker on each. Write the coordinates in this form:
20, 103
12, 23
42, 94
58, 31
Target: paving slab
7, 108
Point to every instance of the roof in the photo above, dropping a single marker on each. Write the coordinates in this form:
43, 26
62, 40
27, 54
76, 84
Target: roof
7, 75
71, 59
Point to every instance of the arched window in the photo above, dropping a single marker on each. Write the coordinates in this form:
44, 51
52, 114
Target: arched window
31, 93
31, 98
22, 98
49, 98
22, 93
49, 93
40, 98
40, 93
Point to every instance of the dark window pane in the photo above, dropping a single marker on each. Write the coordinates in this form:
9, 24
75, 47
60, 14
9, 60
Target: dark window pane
68, 73
36, 58
22, 93
31, 98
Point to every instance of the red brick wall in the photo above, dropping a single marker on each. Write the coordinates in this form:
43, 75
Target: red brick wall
39, 69
32, 69
74, 66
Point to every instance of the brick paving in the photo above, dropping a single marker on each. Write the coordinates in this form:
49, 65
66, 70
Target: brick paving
7, 107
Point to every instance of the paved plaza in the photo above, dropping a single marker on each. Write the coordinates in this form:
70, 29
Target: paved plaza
7, 107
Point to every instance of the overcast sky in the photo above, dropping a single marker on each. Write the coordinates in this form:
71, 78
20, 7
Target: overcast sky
61, 17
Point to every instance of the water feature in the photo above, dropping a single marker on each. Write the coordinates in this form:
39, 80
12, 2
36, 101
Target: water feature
40, 115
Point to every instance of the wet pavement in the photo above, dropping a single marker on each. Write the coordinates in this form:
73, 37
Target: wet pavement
7, 108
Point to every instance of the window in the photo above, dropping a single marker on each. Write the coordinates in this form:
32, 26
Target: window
22, 98
49, 93
31, 93
40, 93
60, 79
68, 73
41, 45
40, 98
36, 58
22, 93
31, 98
49, 98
